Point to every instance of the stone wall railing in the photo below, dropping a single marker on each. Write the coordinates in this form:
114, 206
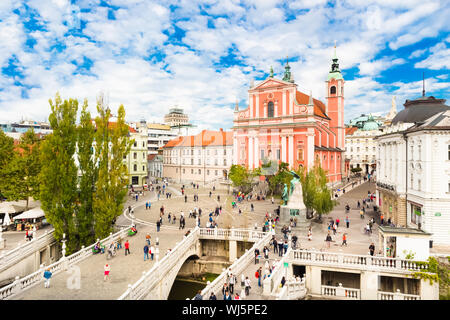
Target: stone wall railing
232, 234
151, 278
292, 290
19, 285
363, 262
396, 296
341, 292
24, 250
239, 265
274, 279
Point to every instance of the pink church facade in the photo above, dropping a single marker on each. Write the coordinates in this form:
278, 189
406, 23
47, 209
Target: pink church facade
283, 124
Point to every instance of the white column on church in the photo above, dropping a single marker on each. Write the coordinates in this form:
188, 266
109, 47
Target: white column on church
291, 151
310, 146
283, 148
256, 143
250, 152
257, 106
235, 149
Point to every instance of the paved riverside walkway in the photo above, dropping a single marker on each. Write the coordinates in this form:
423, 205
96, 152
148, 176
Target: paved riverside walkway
124, 270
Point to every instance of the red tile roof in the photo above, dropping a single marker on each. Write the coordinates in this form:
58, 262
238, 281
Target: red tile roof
350, 130
206, 138
319, 106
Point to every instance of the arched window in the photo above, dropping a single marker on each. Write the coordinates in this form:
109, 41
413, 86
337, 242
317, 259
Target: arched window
333, 90
135, 167
270, 110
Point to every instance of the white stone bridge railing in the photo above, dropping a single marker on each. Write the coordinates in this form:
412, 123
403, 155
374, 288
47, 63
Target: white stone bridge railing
293, 290
19, 285
239, 265
152, 278
353, 261
24, 250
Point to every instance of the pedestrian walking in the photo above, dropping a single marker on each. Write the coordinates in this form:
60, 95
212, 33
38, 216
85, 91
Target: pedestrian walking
146, 249
347, 222
275, 245
152, 251
147, 238
251, 206
328, 239
198, 296
272, 200
231, 282
47, 277
309, 234
372, 249
344, 239
382, 219
158, 225
337, 222
127, 247
280, 248
242, 280
107, 270
212, 296
256, 256
247, 286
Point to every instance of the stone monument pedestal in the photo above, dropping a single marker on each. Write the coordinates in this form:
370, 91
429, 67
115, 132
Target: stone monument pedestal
287, 212
295, 209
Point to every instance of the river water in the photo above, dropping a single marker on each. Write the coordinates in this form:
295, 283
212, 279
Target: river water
182, 289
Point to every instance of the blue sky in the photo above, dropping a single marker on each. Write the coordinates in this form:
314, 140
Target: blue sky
202, 55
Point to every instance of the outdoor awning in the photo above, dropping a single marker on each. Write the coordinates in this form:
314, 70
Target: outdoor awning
31, 214
7, 207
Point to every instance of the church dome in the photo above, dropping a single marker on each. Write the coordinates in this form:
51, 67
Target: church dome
370, 125
420, 109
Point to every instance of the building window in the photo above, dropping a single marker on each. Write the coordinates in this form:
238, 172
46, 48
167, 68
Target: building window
143, 143
199, 171
412, 181
333, 90
143, 155
176, 170
143, 168
135, 144
449, 152
192, 171
192, 161
216, 172
207, 172
300, 154
134, 155
224, 162
278, 154
192, 152
184, 170
224, 152
135, 167
262, 153
418, 185
270, 109
215, 162
216, 153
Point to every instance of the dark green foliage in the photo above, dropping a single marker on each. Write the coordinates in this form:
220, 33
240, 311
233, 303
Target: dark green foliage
58, 189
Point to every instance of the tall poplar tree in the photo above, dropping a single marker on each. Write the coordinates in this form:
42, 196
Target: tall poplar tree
87, 178
112, 145
58, 176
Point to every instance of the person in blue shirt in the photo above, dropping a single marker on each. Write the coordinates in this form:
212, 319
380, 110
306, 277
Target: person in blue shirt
47, 276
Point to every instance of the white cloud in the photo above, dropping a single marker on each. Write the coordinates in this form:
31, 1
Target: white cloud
438, 59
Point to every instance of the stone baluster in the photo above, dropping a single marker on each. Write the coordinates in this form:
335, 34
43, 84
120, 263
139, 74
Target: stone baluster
341, 259
16, 288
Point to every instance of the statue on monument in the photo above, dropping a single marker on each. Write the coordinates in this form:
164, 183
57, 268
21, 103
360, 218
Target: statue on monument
294, 181
285, 195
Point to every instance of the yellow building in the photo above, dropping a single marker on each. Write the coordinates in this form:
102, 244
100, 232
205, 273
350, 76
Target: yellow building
137, 159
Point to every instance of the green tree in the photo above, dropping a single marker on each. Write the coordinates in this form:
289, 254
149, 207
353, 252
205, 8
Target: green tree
112, 145
282, 176
21, 174
323, 202
241, 178
58, 177
6, 154
88, 176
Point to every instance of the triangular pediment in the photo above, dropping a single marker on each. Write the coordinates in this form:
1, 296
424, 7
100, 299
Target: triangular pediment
271, 82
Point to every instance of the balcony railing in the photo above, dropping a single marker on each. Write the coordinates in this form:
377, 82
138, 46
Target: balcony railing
341, 292
396, 296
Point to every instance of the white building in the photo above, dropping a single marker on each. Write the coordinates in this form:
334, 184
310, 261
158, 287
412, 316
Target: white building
155, 165
202, 158
413, 164
360, 146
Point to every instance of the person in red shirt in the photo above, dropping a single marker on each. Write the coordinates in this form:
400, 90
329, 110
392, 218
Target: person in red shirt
127, 247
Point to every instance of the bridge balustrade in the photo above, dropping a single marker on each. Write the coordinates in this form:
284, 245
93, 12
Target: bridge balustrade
355, 261
64, 263
13, 256
239, 265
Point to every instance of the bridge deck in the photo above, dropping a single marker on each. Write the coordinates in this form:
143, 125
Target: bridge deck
124, 270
